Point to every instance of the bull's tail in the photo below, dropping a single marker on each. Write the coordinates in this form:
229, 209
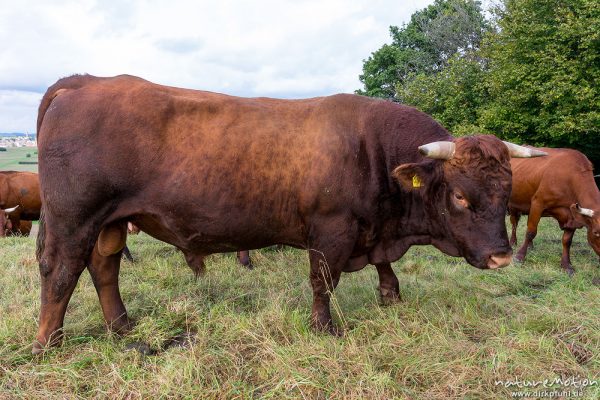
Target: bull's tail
62, 85
41, 237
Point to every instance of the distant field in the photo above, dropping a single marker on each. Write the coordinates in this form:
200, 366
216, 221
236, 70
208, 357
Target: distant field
457, 332
9, 159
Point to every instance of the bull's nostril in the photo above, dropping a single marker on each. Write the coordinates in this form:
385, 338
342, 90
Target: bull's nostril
499, 260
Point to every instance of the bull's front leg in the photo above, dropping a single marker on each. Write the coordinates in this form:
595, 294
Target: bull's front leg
565, 260
329, 251
243, 257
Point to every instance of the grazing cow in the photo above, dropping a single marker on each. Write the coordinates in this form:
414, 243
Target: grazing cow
561, 186
19, 193
342, 176
8, 229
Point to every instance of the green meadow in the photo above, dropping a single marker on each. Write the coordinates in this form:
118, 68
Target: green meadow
9, 159
458, 332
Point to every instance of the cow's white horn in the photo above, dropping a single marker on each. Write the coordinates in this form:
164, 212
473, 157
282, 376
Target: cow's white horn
585, 211
523, 152
9, 210
438, 150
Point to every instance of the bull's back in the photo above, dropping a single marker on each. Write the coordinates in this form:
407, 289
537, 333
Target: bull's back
227, 163
550, 180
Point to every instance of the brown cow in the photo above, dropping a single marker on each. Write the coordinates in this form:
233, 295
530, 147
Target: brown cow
560, 186
20, 189
8, 229
342, 176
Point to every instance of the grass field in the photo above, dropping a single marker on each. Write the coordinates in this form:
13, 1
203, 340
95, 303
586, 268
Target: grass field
9, 159
456, 332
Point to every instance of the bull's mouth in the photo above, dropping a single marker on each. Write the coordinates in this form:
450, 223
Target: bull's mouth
494, 261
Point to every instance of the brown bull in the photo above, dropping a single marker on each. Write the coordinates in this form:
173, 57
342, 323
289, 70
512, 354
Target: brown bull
20, 195
560, 186
344, 177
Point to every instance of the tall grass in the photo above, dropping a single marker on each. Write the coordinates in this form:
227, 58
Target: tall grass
456, 332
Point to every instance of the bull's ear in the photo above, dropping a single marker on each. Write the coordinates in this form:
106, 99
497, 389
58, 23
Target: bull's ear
411, 176
581, 215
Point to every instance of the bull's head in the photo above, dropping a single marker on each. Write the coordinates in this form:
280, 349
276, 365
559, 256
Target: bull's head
591, 220
465, 191
5, 222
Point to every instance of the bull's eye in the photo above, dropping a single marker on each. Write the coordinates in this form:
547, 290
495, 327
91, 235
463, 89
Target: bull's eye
597, 234
460, 200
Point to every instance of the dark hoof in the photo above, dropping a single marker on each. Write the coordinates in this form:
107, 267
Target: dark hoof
389, 296
183, 340
570, 271
249, 265
142, 348
518, 259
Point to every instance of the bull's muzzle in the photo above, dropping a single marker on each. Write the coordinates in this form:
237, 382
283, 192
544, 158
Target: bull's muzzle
499, 260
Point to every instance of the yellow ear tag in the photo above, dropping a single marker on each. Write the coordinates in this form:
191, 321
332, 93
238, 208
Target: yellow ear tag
417, 182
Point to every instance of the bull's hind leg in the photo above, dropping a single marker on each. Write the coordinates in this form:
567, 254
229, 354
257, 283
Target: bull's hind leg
60, 268
535, 214
515, 216
389, 287
105, 276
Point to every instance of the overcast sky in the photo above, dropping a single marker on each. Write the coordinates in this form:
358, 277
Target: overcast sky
289, 49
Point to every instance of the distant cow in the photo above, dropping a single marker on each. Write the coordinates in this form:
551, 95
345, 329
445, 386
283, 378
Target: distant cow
19, 193
561, 186
7, 228
353, 180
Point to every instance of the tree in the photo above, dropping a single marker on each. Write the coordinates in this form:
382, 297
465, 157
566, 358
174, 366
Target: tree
425, 45
544, 74
453, 96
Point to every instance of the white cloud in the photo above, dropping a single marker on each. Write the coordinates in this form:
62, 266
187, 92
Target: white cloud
17, 108
249, 48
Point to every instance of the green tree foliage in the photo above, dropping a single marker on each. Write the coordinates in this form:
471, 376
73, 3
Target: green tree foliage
425, 45
452, 96
544, 74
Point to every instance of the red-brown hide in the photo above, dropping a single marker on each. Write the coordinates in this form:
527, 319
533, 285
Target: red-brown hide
340, 176
20, 189
551, 186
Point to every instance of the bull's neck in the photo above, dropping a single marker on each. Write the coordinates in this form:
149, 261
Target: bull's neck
413, 217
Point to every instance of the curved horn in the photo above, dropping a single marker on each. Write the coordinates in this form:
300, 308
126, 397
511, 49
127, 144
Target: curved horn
438, 150
584, 211
517, 151
9, 210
